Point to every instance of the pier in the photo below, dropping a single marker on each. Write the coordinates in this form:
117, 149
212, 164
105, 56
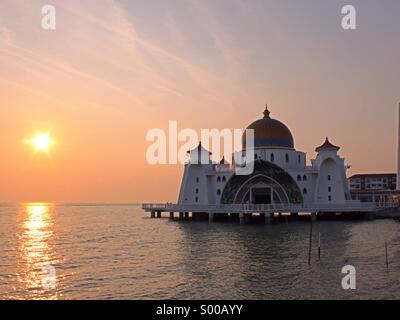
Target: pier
267, 213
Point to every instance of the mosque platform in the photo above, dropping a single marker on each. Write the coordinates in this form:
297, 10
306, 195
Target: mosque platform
246, 212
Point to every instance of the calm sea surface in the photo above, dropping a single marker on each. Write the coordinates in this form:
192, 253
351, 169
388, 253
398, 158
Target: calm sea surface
117, 252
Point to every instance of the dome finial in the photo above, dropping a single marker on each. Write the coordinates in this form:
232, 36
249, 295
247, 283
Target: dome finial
266, 112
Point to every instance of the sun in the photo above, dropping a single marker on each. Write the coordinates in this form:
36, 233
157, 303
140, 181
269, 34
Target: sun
41, 142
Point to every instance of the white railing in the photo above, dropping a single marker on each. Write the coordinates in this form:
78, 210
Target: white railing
349, 206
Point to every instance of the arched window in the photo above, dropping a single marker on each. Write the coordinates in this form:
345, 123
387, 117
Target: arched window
329, 177
197, 180
299, 159
304, 178
218, 179
272, 157
305, 191
329, 198
329, 189
197, 191
197, 199
298, 177
287, 157
218, 192
223, 179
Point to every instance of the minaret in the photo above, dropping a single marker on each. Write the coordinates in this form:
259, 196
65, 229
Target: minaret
398, 151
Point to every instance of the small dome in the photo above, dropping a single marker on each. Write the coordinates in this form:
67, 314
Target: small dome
270, 132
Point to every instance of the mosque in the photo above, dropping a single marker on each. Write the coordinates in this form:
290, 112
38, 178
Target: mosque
280, 176
282, 181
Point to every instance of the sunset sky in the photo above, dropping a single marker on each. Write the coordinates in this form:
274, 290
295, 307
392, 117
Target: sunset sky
113, 69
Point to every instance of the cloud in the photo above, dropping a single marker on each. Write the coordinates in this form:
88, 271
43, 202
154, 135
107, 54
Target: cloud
100, 57
174, 30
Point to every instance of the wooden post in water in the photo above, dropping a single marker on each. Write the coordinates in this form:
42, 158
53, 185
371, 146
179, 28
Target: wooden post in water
319, 246
386, 251
310, 242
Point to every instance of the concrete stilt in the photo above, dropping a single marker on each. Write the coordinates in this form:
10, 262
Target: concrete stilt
158, 214
370, 215
233, 216
313, 216
294, 214
210, 217
171, 215
152, 214
268, 218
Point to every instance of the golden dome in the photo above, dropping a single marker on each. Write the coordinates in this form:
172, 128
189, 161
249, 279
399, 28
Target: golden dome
270, 132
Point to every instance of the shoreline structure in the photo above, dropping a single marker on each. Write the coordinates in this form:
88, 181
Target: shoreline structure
282, 185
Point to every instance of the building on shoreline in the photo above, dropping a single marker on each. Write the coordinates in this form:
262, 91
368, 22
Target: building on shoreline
374, 187
372, 181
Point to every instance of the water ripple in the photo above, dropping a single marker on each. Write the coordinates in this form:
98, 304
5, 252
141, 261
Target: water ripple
116, 252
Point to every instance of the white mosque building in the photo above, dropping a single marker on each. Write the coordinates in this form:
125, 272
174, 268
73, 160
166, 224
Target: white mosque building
281, 174
282, 181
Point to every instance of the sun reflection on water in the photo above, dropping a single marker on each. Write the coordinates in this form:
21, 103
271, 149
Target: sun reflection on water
37, 255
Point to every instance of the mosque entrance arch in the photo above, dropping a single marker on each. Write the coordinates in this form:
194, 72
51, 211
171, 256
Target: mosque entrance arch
261, 189
267, 184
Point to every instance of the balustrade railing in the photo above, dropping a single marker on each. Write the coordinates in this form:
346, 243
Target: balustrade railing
291, 207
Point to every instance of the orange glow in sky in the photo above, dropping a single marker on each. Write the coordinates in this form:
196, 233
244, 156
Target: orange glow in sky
112, 70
